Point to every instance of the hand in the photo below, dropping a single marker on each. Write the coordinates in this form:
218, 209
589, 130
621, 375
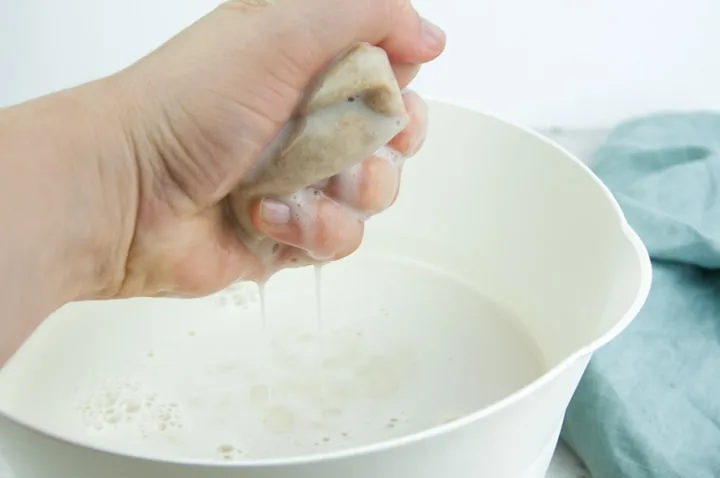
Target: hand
201, 109
115, 188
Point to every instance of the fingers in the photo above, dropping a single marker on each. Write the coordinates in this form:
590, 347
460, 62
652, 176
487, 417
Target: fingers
312, 222
409, 141
405, 73
314, 32
412, 39
372, 186
325, 222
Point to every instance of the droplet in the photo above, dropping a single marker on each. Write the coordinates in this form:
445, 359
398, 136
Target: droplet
132, 406
225, 449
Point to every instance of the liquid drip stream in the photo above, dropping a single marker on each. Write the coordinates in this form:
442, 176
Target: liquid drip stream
263, 311
266, 330
318, 298
320, 326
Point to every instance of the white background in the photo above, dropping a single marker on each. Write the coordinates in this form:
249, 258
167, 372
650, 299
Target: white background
572, 63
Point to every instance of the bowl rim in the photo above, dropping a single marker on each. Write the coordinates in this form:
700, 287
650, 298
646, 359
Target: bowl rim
643, 289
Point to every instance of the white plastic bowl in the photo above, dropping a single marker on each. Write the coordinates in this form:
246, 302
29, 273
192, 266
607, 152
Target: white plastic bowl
450, 344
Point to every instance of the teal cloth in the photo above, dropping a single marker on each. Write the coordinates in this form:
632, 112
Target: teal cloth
649, 403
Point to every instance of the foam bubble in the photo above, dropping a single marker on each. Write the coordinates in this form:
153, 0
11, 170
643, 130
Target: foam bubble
226, 449
361, 390
132, 405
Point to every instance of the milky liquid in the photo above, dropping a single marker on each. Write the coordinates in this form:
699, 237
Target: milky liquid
263, 307
318, 297
407, 348
264, 390
320, 323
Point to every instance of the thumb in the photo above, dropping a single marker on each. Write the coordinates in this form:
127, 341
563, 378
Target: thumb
314, 32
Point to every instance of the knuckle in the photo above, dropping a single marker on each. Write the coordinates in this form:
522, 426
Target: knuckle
353, 244
338, 232
377, 185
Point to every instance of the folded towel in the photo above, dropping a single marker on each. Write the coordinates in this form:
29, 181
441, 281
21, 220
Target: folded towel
649, 403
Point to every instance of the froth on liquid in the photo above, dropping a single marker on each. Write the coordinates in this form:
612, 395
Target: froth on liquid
383, 348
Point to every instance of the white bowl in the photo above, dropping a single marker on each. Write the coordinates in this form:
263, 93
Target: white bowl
449, 345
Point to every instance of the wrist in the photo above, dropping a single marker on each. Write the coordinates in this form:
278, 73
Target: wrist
69, 168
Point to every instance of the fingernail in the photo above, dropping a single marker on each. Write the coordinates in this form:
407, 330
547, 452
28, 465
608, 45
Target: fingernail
433, 35
274, 212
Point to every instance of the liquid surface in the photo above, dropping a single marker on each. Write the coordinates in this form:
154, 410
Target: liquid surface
401, 348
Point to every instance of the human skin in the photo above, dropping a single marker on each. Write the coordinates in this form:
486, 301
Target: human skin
115, 188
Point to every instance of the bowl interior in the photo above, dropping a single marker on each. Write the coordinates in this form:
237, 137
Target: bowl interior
502, 257
522, 221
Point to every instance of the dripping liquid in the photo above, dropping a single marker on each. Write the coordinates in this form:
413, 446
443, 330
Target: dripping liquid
320, 328
320, 325
318, 299
263, 311
266, 329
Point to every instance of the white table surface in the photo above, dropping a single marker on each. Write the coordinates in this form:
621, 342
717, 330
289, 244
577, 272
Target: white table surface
565, 463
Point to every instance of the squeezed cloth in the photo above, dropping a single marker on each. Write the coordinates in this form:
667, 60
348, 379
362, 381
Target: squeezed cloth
649, 403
